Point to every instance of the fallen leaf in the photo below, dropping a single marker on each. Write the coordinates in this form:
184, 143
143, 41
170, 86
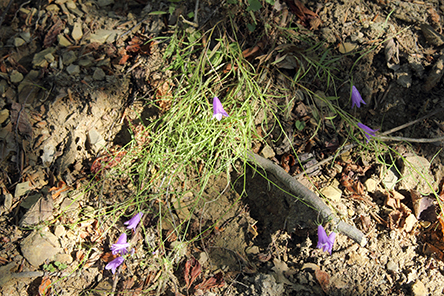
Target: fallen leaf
44, 287
192, 271
421, 204
20, 119
323, 279
216, 281
53, 32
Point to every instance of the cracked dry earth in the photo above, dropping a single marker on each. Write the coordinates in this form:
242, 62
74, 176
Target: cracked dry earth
70, 84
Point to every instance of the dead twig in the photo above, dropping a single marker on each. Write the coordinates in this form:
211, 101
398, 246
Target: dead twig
308, 197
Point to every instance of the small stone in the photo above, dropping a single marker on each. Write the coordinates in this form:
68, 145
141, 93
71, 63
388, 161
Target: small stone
69, 57
8, 201
40, 246
63, 41
42, 58
99, 74
419, 289
370, 185
16, 76
347, 47
85, 62
332, 193
73, 69
392, 267
4, 115
416, 174
26, 36
52, 8
41, 211
77, 33
389, 177
21, 189
102, 36
96, 140
103, 3
18, 42
63, 258
267, 152
59, 231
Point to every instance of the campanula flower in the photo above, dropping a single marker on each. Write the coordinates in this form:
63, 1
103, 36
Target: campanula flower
368, 132
114, 264
356, 98
325, 242
218, 110
120, 246
134, 221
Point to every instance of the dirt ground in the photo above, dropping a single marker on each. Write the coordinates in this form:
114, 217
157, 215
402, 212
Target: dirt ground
75, 74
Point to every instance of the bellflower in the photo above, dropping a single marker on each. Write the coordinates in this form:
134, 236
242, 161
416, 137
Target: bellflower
218, 110
367, 131
134, 221
356, 98
114, 264
120, 246
325, 242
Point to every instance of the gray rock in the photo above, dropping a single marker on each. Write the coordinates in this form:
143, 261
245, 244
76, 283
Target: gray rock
73, 69
267, 152
265, 285
77, 33
392, 267
389, 177
96, 140
18, 42
43, 58
103, 3
39, 246
63, 41
86, 61
16, 76
370, 185
99, 74
52, 8
41, 211
21, 189
69, 57
415, 174
102, 36
4, 115
419, 289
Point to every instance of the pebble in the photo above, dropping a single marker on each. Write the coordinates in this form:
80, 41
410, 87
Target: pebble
389, 178
99, 74
267, 152
52, 8
370, 185
18, 42
63, 41
69, 57
73, 69
43, 58
332, 192
16, 76
21, 189
77, 33
415, 171
96, 140
419, 289
102, 36
392, 267
39, 246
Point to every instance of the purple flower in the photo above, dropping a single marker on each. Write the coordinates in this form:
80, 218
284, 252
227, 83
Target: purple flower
325, 242
114, 264
356, 98
218, 110
120, 246
367, 131
134, 221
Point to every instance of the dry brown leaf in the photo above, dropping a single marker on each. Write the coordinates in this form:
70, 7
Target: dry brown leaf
44, 287
53, 32
323, 279
421, 203
216, 281
20, 119
192, 271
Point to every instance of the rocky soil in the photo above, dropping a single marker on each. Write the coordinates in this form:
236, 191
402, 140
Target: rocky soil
74, 75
